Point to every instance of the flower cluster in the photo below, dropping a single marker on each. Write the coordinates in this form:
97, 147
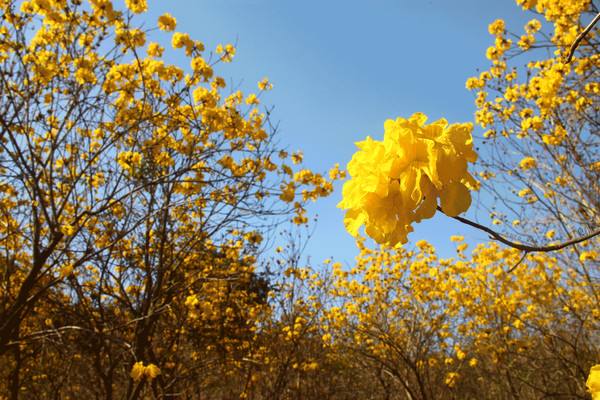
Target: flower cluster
398, 181
156, 161
535, 112
140, 371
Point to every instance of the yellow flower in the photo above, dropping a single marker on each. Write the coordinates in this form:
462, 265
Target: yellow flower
180, 40
588, 255
137, 371
451, 379
151, 371
525, 41
66, 270
497, 27
398, 181
167, 22
137, 6
492, 53
68, 229
265, 84
227, 51
533, 26
459, 353
297, 157
593, 382
288, 192
252, 99
474, 83
129, 160
528, 163
155, 50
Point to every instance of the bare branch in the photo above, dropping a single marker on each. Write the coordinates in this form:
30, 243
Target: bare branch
525, 247
580, 38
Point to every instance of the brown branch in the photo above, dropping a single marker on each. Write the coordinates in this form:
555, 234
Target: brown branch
580, 38
518, 262
524, 247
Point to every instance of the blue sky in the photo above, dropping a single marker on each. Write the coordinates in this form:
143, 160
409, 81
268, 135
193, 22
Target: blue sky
341, 68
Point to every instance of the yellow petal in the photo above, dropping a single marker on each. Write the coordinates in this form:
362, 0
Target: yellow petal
418, 118
137, 371
455, 199
152, 371
353, 220
426, 208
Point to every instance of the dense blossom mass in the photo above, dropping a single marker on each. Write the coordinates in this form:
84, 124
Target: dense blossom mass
133, 199
540, 118
455, 323
398, 181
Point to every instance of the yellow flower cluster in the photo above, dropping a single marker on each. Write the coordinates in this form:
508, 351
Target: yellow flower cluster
167, 22
535, 114
139, 371
561, 13
137, 6
129, 160
398, 181
528, 163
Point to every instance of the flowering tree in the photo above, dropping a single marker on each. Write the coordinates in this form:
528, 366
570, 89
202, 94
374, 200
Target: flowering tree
543, 115
398, 181
438, 327
542, 144
133, 196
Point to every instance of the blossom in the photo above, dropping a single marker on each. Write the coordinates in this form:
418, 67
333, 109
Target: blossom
588, 255
593, 382
152, 371
533, 26
527, 163
128, 160
155, 50
451, 379
398, 181
139, 371
497, 27
167, 22
180, 40
265, 84
227, 52
137, 6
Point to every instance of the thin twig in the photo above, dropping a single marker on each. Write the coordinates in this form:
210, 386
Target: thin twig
580, 38
525, 247
518, 262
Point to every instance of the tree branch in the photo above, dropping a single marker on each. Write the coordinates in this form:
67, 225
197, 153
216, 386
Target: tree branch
518, 262
580, 38
524, 247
